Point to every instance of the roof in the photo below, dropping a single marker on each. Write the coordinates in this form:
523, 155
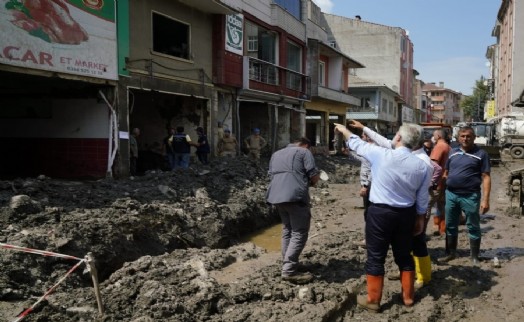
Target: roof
353, 63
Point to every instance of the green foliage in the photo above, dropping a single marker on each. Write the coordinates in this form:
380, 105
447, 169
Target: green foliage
473, 105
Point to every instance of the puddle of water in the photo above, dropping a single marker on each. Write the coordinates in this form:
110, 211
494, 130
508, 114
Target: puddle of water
268, 238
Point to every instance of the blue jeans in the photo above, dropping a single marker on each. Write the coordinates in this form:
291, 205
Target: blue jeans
470, 205
181, 160
296, 219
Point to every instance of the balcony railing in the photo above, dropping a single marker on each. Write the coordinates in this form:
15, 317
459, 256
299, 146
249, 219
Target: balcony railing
265, 76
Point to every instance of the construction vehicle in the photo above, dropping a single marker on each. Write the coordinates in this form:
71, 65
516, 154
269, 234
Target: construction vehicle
429, 128
509, 135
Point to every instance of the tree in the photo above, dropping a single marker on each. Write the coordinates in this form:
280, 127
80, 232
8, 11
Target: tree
473, 105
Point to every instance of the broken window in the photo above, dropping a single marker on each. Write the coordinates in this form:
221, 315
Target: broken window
170, 37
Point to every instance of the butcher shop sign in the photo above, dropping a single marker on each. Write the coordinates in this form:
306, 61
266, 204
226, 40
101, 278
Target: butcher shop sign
70, 36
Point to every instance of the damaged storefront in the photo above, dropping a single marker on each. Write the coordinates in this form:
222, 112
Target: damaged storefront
57, 89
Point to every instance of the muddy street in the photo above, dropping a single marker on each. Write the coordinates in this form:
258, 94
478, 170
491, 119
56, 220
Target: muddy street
173, 246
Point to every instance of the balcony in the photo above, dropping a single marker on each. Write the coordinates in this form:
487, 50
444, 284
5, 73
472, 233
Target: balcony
337, 96
263, 76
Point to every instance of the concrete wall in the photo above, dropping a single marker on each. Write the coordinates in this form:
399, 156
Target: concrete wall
375, 46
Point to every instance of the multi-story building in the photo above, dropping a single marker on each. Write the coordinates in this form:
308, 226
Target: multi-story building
420, 102
58, 77
261, 61
329, 70
387, 53
507, 59
444, 103
166, 75
378, 105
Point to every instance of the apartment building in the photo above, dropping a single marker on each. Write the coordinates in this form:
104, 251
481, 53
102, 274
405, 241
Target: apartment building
387, 53
443, 104
506, 58
329, 69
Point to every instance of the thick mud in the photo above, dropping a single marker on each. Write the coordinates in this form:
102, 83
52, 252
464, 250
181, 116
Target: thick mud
168, 247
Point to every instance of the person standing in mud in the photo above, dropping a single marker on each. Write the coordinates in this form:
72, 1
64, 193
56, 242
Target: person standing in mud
227, 145
439, 154
292, 171
399, 198
202, 146
365, 179
181, 148
167, 147
420, 249
254, 144
133, 149
468, 186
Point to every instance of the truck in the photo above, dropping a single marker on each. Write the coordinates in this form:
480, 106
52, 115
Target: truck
509, 135
429, 127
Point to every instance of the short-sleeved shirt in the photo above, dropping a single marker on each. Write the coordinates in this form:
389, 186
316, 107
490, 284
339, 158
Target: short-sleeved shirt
465, 170
290, 170
440, 154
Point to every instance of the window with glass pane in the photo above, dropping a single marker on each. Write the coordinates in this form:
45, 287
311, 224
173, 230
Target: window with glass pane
322, 73
294, 63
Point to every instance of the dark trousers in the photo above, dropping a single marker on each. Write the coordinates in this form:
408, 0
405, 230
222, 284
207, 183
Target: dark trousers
385, 226
202, 157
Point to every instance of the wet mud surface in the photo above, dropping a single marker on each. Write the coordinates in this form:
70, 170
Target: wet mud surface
169, 247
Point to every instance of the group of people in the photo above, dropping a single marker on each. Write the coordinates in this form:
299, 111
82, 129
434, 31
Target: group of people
402, 185
176, 147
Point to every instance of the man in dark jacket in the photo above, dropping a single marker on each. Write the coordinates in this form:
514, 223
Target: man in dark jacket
202, 146
181, 148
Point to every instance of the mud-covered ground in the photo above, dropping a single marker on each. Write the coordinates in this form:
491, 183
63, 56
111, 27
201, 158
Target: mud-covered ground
167, 248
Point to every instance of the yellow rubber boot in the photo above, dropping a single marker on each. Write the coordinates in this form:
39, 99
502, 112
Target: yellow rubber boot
422, 270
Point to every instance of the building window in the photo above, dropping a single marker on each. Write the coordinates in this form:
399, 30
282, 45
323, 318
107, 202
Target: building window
364, 102
390, 108
322, 73
171, 37
252, 43
294, 63
291, 6
384, 106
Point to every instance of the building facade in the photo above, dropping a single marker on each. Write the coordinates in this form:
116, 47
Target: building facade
328, 69
58, 89
444, 104
387, 53
506, 58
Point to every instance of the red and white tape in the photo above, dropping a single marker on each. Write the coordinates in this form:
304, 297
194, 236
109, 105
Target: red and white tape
43, 253
38, 252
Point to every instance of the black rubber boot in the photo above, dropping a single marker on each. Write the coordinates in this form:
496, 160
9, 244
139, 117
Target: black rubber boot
474, 245
451, 242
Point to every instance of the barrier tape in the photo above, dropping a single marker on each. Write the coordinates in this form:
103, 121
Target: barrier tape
38, 252
44, 253
49, 291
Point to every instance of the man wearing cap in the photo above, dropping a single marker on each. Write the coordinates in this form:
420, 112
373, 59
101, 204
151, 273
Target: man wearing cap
254, 143
227, 145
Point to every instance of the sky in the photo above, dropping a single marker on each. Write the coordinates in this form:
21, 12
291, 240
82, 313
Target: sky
450, 37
